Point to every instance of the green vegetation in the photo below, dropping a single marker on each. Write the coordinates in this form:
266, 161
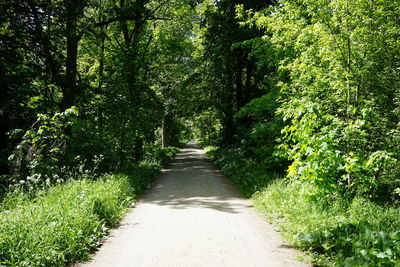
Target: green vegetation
88, 116
339, 231
63, 223
336, 230
307, 95
95, 82
248, 175
301, 97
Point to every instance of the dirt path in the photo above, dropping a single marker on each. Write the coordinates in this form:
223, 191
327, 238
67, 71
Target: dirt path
193, 217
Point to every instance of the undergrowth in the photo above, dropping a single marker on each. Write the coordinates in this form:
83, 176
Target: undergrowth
63, 223
339, 231
237, 166
336, 230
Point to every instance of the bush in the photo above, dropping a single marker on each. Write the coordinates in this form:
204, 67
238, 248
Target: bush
43, 146
165, 154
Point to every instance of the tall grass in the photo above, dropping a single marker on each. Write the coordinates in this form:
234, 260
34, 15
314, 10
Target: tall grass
336, 230
64, 223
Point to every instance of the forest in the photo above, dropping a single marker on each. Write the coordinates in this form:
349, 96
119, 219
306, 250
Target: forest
296, 101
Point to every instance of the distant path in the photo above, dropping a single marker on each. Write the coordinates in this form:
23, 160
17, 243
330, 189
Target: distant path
193, 217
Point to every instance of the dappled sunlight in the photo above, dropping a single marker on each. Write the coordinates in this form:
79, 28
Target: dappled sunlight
192, 182
216, 203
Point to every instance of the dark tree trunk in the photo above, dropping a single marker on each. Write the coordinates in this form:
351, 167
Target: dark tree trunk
228, 128
138, 149
101, 60
248, 93
121, 153
165, 131
239, 81
4, 128
70, 89
53, 66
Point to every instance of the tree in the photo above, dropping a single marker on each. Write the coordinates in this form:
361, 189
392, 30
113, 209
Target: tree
339, 58
230, 73
172, 67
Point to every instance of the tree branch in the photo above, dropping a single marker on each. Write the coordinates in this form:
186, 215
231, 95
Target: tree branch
125, 18
115, 19
156, 18
155, 9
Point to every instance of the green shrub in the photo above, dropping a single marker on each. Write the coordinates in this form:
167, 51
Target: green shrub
165, 154
211, 151
43, 146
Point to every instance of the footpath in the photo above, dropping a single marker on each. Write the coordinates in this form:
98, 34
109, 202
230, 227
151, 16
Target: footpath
194, 217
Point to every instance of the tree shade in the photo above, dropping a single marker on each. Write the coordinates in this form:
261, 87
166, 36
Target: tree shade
306, 88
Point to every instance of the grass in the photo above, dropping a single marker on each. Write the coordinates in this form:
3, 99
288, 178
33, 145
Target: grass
64, 223
335, 230
236, 165
338, 231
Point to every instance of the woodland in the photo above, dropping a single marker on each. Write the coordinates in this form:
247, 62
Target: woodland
297, 101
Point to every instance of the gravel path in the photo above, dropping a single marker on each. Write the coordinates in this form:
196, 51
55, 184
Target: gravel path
193, 217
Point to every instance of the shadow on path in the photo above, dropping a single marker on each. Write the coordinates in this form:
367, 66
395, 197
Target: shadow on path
192, 181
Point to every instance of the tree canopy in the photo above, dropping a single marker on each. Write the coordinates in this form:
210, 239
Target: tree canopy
307, 88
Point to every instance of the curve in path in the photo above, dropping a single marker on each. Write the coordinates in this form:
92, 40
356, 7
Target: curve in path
193, 217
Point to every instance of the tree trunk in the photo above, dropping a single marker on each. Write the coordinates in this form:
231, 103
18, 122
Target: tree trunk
138, 149
70, 90
239, 80
248, 90
228, 127
101, 59
165, 131
4, 140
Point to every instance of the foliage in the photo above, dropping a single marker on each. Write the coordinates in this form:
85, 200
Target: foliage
206, 128
43, 146
211, 151
308, 89
335, 68
163, 155
259, 129
249, 175
63, 224
98, 57
171, 69
337, 230
227, 67
340, 231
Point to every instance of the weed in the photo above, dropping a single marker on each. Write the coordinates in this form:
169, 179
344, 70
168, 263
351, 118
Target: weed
337, 230
63, 223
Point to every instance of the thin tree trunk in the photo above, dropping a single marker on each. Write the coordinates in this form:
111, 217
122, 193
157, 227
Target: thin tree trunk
165, 131
101, 59
239, 80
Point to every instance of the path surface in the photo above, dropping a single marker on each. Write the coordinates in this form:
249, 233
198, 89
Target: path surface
193, 217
